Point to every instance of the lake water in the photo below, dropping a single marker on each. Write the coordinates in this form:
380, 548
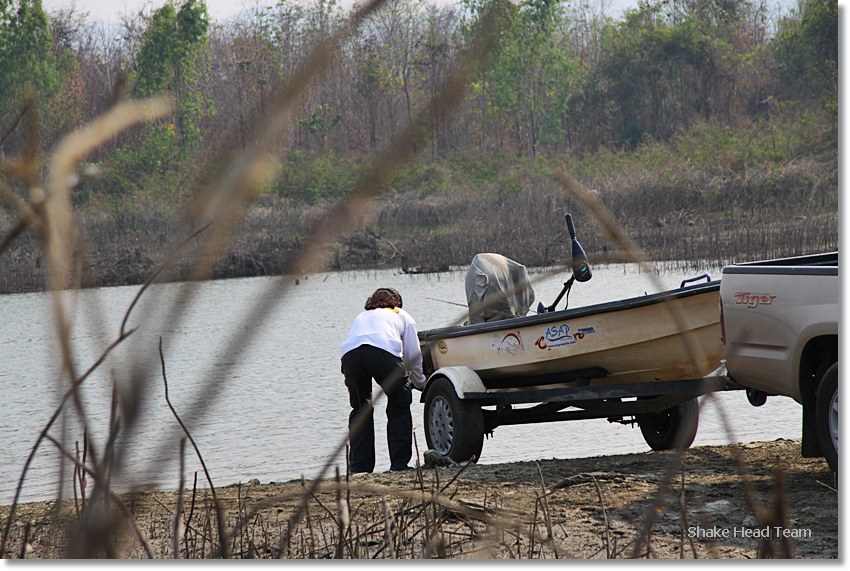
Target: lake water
277, 409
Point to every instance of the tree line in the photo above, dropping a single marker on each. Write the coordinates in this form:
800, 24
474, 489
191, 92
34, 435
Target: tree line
564, 78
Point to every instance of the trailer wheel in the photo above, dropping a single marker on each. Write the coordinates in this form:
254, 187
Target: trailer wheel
826, 416
661, 429
454, 427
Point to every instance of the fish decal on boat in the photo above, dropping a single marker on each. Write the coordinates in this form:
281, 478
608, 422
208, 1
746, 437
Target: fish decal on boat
510, 343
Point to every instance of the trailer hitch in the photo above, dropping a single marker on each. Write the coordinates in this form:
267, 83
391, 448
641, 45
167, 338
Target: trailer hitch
630, 421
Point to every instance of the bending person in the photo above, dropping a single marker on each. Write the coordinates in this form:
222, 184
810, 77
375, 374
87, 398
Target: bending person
382, 345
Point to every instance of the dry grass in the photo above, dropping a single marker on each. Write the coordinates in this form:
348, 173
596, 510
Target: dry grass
591, 508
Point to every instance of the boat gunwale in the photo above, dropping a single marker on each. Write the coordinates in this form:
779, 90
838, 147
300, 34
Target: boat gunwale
549, 317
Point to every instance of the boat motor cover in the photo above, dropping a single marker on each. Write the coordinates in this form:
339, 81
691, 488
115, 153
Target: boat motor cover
497, 288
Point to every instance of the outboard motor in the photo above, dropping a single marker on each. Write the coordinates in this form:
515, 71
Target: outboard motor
497, 288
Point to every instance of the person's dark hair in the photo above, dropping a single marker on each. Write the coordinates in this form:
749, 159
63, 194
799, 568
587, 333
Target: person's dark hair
384, 297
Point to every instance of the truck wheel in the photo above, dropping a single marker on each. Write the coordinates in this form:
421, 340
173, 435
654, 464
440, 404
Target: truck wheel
660, 429
454, 427
826, 415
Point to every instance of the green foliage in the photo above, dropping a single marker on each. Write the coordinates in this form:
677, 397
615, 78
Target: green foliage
711, 148
316, 177
806, 52
430, 178
509, 186
476, 169
660, 74
154, 156
26, 60
169, 46
529, 79
321, 122
168, 61
154, 64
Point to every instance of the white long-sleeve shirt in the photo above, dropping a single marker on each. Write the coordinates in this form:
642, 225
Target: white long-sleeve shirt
394, 331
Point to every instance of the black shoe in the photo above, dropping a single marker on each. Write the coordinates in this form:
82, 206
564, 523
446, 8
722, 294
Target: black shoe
404, 469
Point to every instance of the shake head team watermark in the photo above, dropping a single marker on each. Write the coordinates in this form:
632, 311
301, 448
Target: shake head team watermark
744, 532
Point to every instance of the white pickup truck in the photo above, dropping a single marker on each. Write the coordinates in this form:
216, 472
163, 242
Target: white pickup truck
779, 321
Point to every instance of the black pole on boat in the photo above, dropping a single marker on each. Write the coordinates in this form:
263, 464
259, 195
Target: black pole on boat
580, 267
567, 285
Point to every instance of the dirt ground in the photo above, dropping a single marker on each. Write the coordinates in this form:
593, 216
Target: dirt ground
587, 508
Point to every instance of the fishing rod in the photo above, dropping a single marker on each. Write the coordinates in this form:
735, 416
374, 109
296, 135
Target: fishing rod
449, 302
466, 307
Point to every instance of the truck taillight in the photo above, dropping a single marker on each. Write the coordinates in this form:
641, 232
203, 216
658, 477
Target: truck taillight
722, 324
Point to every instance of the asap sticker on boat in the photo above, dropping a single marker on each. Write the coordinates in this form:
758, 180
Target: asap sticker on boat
561, 335
509, 343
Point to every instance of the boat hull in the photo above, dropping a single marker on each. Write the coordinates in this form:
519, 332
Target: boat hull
669, 336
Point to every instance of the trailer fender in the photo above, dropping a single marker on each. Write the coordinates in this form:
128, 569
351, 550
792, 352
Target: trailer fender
464, 380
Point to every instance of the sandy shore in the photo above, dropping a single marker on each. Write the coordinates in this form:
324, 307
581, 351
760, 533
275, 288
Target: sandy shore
600, 507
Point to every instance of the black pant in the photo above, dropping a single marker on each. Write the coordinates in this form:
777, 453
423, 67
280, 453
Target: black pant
360, 366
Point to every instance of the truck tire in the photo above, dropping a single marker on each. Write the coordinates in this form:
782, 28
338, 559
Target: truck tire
661, 429
826, 416
454, 428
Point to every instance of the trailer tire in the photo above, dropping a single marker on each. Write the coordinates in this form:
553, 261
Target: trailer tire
660, 429
826, 416
454, 428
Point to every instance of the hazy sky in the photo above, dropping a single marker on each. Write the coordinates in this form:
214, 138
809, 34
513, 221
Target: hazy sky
218, 9
112, 9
